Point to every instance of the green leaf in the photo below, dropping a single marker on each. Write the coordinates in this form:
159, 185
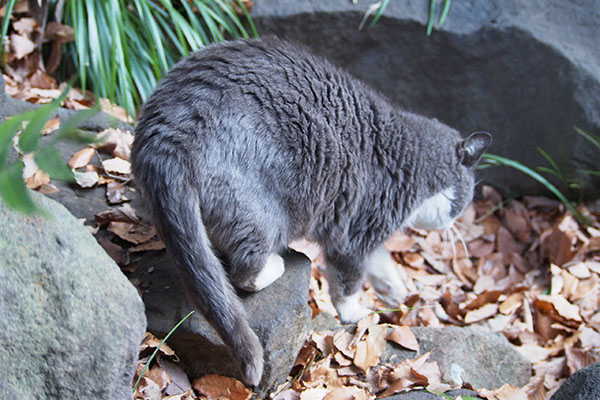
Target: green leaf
8, 129
28, 141
432, 7
499, 160
50, 161
13, 190
444, 14
8, 9
379, 13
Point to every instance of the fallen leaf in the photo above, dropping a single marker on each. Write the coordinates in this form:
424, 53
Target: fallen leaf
481, 313
216, 387
86, 179
82, 157
403, 336
117, 166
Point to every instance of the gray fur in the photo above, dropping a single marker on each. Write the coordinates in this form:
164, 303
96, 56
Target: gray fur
247, 145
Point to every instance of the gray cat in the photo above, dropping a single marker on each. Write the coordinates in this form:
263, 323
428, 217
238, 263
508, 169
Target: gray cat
248, 145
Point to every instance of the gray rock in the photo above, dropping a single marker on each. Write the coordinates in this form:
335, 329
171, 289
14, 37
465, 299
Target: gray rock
425, 395
582, 385
505, 67
279, 314
483, 359
71, 322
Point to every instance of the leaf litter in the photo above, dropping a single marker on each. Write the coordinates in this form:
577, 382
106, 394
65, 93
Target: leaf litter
524, 269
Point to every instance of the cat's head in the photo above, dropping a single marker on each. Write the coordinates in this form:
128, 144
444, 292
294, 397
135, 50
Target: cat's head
440, 210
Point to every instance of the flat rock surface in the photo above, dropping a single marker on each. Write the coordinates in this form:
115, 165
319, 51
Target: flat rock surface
279, 314
71, 321
467, 355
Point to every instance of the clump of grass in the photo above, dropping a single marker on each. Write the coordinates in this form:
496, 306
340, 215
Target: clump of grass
377, 10
122, 48
493, 159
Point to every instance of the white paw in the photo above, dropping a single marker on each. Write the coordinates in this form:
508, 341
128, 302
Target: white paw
385, 278
273, 269
349, 308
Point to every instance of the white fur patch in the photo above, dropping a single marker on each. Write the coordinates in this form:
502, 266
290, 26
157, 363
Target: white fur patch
273, 269
433, 213
385, 278
349, 308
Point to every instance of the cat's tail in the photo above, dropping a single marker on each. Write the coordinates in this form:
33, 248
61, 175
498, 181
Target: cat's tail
174, 202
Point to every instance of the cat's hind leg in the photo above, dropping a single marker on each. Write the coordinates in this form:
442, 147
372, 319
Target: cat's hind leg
251, 257
345, 275
273, 269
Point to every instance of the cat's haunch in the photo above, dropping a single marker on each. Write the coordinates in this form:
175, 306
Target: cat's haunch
248, 145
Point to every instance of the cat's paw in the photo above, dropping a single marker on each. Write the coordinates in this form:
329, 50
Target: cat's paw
273, 269
350, 310
385, 278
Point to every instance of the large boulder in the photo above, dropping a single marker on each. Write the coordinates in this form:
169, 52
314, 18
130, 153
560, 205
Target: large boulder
279, 314
582, 385
71, 321
525, 75
467, 355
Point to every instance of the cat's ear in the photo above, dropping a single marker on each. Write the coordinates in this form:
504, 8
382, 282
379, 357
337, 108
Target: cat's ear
471, 149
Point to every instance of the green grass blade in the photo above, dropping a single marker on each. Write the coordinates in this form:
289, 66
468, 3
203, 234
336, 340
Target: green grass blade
432, 7
249, 19
445, 11
158, 348
499, 160
595, 140
8, 9
555, 170
379, 13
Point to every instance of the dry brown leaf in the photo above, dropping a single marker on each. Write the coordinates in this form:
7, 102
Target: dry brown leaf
133, 233
152, 342
117, 166
124, 213
511, 304
221, 387
482, 313
403, 336
51, 125
38, 179
82, 157
578, 358
86, 179
21, 46
562, 307
116, 142
348, 393
115, 192
317, 393
342, 340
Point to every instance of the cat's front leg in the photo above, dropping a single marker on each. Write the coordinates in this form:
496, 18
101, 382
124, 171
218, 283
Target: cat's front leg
345, 275
385, 278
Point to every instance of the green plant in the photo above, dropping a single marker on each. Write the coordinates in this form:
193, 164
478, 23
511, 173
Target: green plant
122, 48
493, 159
379, 7
157, 349
28, 127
